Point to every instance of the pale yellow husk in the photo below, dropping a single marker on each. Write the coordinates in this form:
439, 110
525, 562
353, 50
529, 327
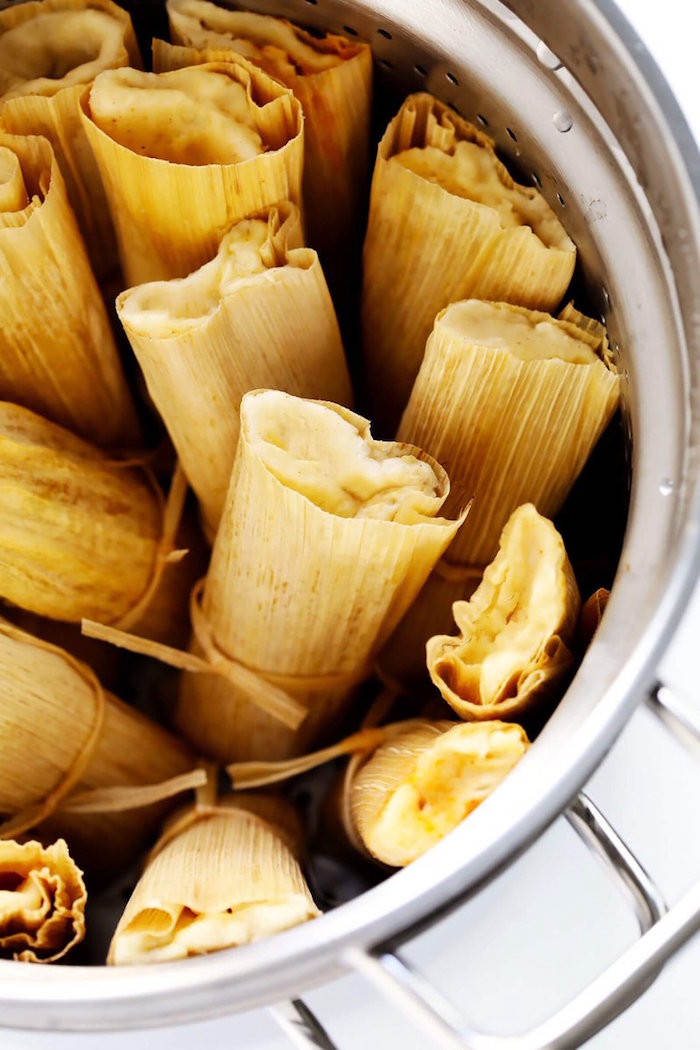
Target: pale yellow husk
422, 783
58, 731
258, 315
332, 78
49, 51
326, 538
192, 179
57, 352
514, 647
42, 901
228, 877
446, 222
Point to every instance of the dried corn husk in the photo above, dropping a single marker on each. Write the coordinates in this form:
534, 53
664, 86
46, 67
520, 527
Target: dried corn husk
57, 353
516, 632
223, 135
326, 538
220, 877
61, 736
591, 615
42, 901
446, 222
49, 51
332, 78
258, 315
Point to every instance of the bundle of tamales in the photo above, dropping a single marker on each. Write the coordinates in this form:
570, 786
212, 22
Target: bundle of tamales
49, 51
184, 155
408, 784
62, 737
326, 538
57, 352
220, 876
332, 78
258, 315
42, 901
446, 222
81, 535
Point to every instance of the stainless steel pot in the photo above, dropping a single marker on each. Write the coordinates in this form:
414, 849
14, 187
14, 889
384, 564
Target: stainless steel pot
564, 86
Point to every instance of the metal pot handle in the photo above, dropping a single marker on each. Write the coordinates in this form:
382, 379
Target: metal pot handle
663, 932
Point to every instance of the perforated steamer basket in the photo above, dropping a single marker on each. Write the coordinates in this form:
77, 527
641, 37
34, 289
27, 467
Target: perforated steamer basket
564, 87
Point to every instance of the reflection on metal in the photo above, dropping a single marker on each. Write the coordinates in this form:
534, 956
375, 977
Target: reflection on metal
305, 1031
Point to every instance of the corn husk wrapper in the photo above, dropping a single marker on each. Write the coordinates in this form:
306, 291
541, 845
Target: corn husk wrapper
57, 352
75, 39
591, 614
170, 214
258, 315
446, 222
62, 738
332, 78
516, 632
42, 901
326, 538
220, 877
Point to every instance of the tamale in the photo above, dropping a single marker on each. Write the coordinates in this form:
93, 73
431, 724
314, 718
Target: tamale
446, 222
516, 632
49, 51
258, 315
57, 352
332, 78
327, 536
61, 736
220, 877
42, 901
186, 154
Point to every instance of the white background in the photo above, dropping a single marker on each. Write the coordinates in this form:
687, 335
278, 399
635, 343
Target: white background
540, 932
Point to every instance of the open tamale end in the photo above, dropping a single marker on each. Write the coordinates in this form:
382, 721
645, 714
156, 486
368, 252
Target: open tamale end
422, 783
222, 134
49, 51
42, 901
218, 879
516, 635
57, 352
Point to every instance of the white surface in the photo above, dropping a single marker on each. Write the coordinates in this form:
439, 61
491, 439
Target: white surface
545, 928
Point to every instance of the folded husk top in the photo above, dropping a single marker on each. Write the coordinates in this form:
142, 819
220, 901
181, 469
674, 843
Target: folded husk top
423, 782
332, 78
326, 538
186, 154
42, 901
516, 631
57, 353
79, 533
258, 315
60, 734
512, 402
446, 222
227, 878
49, 51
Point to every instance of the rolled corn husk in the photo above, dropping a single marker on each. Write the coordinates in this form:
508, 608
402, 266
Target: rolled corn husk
258, 315
186, 154
49, 51
221, 876
57, 352
326, 538
446, 222
42, 901
62, 736
589, 620
332, 78
516, 632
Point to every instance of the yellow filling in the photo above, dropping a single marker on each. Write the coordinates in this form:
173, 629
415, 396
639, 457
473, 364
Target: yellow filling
470, 171
58, 49
501, 327
316, 451
270, 43
189, 116
24, 906
13, 194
